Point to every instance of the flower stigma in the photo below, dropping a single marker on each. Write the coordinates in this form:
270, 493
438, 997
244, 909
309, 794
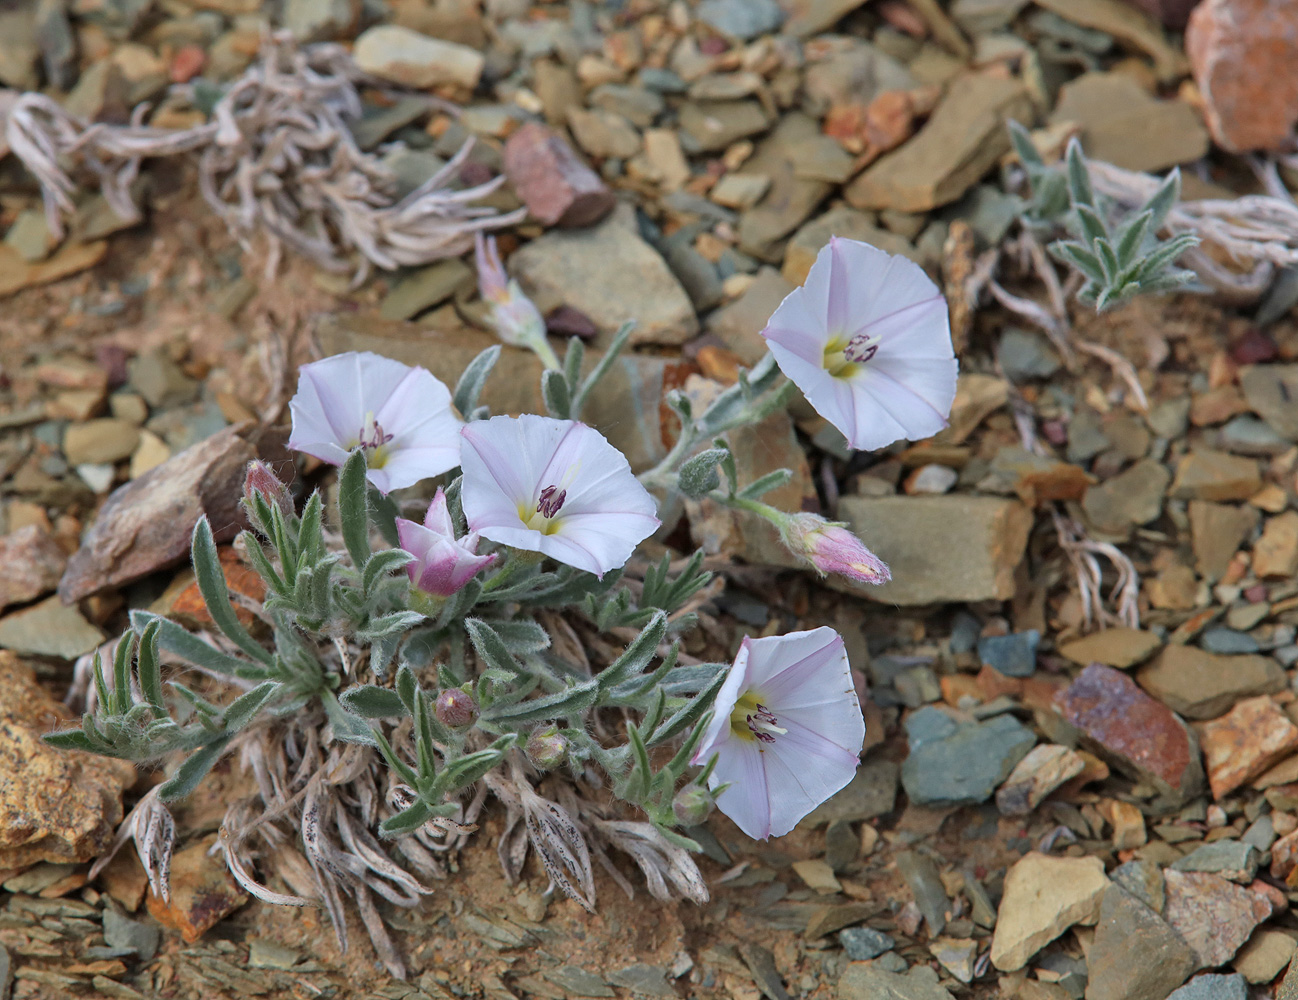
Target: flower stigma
373, 440
754, 721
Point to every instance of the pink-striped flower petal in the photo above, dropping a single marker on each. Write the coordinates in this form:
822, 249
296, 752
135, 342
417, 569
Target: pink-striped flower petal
401, 416
443, 563
867, 340
556, 487
786, 728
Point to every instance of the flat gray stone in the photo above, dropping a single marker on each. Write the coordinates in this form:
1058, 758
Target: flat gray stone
576, 980
1213, 986
645, 980
864, 943
1232, 859
871, 792
611, 275
1136, 955
49, 628
968, 765
865, 982
137, 936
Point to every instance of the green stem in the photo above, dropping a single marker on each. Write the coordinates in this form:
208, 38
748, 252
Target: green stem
541, 347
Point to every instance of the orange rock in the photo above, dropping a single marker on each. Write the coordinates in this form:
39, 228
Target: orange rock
1245, 742
202, 892
1244, 55
719, 364
992, 684
239, 578
957, 687
187, 63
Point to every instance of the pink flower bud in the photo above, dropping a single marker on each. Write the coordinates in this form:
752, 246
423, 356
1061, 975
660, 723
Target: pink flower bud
546, 748
514, 316
456, 708
261, 479
443, 563
692, 805
832, 548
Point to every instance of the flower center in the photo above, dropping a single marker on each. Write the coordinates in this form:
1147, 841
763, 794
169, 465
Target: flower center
547, 507
836, 360
752, 720
551, 501
373, 441
861, 348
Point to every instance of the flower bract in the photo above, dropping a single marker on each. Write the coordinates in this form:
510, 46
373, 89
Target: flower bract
443, 563
555, 487
400, 416
786, 728
868, 342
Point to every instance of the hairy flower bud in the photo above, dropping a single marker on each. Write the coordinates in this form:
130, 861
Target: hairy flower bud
692, 805
832, 548
260, 478
456, 708
546, 748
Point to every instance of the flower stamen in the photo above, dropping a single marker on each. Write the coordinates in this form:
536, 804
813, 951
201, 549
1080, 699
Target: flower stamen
861, 348
551, 501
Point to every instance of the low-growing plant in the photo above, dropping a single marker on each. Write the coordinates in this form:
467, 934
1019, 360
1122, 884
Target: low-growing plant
1117, 252
510, 644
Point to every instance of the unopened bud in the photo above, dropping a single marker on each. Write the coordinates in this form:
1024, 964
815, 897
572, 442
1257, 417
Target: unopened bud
692, 805
261, 479
456, 708
546, 748
832, 548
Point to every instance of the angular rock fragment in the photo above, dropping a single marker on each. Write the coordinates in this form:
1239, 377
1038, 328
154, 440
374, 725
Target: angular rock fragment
611, 275
1203, 685
1270, 391
941, 548
1133, 731
865, 981
55, 805
1244, 742
1043, 897
1044, 769
409, 59
1136, 955
1123, 124
1217, 531
1214, 475
1244, 53
1214, 916
50, 628
962, 140
32, 562
1114, 647
202, 892
146, 525
557, 188
963, 764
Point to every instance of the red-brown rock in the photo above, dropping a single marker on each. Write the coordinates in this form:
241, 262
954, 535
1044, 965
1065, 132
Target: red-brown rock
1244, 54
557, 187
1214, 916
1136, 733
33, 562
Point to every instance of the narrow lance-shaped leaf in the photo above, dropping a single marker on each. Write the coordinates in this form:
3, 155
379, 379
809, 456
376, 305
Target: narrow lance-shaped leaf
488, 645
561, 704
636, 656
242, 710
122, 675
690, 714
554, 393
372, 702
771, 481
149, 670
211, 584
193, 770
469, 387
1079, 178
353, 508
1164, 200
